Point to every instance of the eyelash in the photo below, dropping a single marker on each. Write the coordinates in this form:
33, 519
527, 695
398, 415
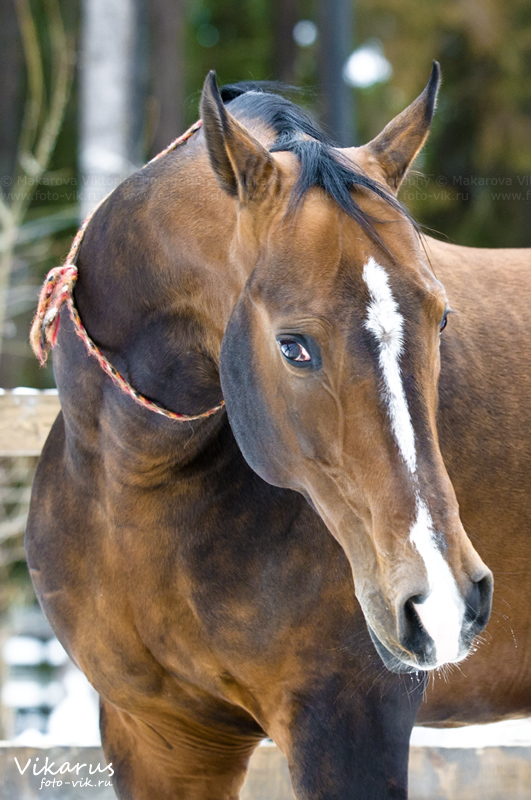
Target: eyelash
444, 321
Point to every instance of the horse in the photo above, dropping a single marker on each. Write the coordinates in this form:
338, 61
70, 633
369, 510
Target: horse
305, 531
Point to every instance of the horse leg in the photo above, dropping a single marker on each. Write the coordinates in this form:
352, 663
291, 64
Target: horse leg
344, 743
172, 761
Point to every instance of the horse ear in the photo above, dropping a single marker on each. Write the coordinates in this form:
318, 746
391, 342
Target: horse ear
243, 166
397, 145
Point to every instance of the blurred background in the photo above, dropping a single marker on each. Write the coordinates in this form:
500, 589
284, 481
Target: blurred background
90, 89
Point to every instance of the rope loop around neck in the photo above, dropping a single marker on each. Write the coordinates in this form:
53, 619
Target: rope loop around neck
58, 288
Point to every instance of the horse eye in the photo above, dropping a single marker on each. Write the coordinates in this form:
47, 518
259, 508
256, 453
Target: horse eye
444, 322
293, 350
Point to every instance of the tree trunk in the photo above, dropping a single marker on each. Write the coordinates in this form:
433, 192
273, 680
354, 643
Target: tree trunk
111, 96
11, 91
166, 23
335, 46
285, 15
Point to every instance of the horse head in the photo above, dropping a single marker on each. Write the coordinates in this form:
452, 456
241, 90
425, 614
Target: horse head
330, 364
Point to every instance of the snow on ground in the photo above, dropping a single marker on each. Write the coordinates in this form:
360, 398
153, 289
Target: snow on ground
511, 733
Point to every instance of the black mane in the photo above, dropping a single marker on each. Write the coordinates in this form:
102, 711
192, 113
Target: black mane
321, 163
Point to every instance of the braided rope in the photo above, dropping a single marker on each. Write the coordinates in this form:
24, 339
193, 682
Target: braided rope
58, 288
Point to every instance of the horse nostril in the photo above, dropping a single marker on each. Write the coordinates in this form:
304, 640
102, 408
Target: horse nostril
412, 633
478, 602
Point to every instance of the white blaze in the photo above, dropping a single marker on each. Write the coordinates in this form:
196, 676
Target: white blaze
441, 614
385, 322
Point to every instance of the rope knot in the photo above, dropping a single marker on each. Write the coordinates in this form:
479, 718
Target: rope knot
58, 286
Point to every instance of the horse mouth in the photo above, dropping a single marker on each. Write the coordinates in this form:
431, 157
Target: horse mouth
390, 661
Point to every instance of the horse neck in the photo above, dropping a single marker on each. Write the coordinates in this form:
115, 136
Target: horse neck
155, 291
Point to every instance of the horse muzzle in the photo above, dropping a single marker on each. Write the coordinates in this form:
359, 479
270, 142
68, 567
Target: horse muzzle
431, 634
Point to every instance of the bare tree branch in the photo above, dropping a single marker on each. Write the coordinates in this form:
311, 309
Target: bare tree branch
40, 128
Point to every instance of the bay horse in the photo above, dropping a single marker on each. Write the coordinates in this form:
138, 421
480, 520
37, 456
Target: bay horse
294, 564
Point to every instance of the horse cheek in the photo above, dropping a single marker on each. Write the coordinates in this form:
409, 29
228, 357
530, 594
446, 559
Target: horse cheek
252, 421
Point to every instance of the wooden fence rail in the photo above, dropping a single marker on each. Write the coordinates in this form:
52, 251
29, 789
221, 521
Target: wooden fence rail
26, 416
496, 773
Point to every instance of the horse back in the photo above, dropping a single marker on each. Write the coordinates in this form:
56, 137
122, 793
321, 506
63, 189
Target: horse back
485, 436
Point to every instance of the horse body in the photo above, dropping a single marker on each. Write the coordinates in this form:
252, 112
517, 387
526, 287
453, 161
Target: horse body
483, 430
208, 606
